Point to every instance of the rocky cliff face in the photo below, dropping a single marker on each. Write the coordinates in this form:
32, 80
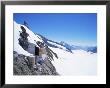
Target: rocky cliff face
23, 66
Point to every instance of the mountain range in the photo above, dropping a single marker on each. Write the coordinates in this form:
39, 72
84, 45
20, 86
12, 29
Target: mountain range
66, 46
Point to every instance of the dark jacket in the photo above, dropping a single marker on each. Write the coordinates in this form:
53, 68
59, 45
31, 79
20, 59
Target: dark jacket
36, 50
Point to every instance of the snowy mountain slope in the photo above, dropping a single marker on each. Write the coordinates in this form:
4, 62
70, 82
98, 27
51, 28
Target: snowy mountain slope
32, 40
67, 59
24, 53
17, 47
54, 44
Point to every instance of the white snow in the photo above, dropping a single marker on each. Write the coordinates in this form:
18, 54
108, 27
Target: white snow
78, 63
17, 47
57, 45
32, 37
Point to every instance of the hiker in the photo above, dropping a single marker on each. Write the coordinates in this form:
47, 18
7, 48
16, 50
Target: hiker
42, 54
36, 56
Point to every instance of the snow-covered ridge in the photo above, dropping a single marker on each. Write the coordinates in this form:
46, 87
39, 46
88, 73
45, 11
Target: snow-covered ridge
17, 47
32, 41
24, 53
68, 47
59, 46
32, 38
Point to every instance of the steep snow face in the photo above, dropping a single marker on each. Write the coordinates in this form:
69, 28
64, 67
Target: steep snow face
17, 47
32, 38
79, 62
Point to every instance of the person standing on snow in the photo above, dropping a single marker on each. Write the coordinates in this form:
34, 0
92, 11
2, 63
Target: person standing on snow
36, 56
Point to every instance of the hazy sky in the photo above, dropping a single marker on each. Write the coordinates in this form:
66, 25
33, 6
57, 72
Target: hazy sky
74, 28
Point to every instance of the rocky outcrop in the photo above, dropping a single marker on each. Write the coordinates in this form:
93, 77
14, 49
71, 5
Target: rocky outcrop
23, 40
22, 65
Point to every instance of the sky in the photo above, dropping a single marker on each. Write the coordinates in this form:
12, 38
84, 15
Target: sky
73, 28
